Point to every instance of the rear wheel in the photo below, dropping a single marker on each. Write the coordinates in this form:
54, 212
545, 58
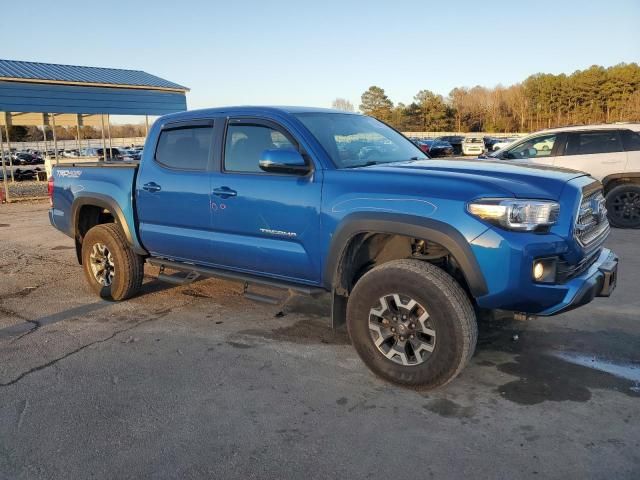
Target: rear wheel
412, 323
112, 269
623, 206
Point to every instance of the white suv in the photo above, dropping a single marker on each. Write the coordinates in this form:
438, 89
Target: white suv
610, 153
472, 146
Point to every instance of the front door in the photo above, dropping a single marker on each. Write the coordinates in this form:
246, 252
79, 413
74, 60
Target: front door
265, 223
540, 150
173, 193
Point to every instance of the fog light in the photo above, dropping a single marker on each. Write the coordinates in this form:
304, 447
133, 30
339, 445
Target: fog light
538, 271
544, 270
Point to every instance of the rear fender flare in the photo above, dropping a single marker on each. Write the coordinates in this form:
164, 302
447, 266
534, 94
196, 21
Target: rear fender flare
107, 202
635, 176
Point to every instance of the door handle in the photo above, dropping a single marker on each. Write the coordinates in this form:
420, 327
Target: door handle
151, 187
224, 192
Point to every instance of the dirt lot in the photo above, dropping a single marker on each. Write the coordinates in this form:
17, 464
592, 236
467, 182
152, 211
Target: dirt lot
196, 381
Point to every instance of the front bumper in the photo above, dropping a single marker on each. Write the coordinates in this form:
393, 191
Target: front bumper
506, 260
599, 281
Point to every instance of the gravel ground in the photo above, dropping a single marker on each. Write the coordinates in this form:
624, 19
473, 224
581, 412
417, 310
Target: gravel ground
198, 382
27, 189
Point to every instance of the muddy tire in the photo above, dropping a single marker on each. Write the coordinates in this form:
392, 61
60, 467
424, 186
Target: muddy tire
112, 269
412, 324
623, 206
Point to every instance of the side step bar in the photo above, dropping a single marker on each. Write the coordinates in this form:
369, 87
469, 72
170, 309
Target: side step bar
194, 272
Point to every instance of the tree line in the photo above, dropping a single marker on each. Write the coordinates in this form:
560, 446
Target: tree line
593, 95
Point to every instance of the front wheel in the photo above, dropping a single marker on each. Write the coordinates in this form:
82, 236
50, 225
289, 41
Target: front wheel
412, 324
112, 269
623, 206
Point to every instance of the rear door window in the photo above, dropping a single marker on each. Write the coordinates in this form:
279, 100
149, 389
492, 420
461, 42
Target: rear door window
185, 148
589, 143
630, 140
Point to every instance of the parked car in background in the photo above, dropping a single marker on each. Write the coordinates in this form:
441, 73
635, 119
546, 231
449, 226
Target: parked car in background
113, 153
23, 158
455, 141
129, 154
435, 148
502, 143
608, 152
421, 144
473, 146
489, 142
71, 153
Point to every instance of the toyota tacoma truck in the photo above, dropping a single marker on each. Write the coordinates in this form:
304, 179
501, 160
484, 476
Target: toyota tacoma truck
410, 249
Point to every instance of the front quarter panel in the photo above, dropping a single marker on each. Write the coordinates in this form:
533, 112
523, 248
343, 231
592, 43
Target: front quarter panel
379, 194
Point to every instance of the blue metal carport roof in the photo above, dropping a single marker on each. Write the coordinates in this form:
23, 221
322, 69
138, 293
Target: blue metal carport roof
50, 88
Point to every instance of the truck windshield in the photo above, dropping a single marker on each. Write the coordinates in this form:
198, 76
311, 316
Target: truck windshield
357, 140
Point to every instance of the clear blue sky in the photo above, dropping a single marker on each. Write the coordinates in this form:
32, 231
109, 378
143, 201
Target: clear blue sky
308, 53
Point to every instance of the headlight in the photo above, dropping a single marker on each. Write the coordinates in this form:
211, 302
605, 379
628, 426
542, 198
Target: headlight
513, 214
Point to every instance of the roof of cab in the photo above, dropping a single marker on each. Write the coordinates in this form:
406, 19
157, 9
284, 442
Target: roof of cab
252, 110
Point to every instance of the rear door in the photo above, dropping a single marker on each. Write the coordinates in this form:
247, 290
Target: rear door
596, 152
265, 223
173, 192
631, 144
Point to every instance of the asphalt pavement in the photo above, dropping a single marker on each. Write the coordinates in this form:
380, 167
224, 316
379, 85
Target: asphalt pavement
199, 382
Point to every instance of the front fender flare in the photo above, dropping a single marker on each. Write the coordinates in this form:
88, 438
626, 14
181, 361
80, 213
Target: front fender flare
410, 226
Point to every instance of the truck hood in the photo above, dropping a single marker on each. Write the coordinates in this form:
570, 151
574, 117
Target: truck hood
519, 179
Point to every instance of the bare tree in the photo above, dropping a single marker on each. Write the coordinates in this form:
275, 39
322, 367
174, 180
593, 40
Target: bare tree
342, 104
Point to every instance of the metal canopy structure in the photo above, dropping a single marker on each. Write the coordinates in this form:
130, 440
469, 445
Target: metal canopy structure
49, 88
45, 94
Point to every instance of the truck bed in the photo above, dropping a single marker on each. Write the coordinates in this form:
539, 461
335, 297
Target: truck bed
113, 183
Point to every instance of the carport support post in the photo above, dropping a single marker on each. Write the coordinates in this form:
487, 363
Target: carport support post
104, 143
6, 129
146, 126
55, 137
44, 134
4, 169
78, 133
109, 133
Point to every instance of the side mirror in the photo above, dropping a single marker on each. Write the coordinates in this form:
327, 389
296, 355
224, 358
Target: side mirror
283, 161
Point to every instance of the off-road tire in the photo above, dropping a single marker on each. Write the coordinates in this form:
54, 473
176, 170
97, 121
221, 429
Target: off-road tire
450, 311
128, 266
620, 221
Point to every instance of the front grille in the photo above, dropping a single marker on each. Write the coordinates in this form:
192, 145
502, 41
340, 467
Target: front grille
592, 226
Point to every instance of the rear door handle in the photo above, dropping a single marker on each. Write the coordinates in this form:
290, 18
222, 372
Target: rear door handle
151, 187
224, 192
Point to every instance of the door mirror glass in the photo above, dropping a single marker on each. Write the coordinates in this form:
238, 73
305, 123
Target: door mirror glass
283, 161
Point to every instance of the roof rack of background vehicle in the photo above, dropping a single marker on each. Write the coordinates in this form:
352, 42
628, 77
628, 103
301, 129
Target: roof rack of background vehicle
46, 95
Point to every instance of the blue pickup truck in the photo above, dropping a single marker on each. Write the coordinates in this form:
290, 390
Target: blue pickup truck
410, 249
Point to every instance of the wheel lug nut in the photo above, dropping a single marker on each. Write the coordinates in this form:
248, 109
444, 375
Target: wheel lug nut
404, 317
402, 338
412, 336
393, 329
413, 325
